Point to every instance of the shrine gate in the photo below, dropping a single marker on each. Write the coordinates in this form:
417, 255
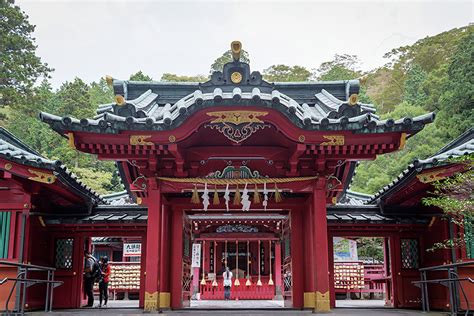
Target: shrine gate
255, 173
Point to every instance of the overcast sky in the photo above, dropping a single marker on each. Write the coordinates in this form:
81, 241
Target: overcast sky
90, 39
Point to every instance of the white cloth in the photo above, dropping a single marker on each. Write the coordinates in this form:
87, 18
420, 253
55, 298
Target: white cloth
227, 278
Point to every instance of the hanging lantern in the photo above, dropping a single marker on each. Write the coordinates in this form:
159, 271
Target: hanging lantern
248, 282
215, 200
195, 197
259, 282
203, 281
270, 282
236, 282
214, 283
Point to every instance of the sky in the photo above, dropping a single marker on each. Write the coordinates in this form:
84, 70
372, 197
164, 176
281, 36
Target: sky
91, 39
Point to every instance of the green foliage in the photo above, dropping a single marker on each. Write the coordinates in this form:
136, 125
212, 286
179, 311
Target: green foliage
226, 57
176, 78
455, 196
20, 68
370, 248
140, 76
414, 93
342, 67
371, 176
283, 73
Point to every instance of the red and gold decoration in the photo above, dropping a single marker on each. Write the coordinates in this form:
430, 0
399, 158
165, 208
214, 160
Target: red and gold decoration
259, 282
237, 126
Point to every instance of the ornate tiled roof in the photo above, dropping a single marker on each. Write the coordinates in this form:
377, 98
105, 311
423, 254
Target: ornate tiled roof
463, 145
157, 106
12, 149
119, 198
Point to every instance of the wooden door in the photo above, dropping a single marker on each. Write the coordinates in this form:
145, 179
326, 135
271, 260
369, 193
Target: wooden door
67, 258
408, 262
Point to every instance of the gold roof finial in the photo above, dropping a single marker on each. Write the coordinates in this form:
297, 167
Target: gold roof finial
236, 48
109, 80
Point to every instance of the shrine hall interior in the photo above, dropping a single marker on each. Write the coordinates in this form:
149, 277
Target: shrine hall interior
256, 173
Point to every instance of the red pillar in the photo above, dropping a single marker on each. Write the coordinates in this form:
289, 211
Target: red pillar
164, 291
320, 251
176, 258
153, 245
277, 271
308, 256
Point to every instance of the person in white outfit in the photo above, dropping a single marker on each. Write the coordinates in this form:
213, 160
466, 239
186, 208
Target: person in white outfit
227, 276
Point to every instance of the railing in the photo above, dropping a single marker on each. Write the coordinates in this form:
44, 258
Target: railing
23, 282
452, 283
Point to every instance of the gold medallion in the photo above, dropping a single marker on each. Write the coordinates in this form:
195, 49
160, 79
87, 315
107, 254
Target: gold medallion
236, 77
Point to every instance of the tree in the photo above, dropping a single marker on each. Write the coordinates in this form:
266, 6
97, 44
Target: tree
20, 68
342, 67
140, 76
176, 78
455, 196
285, 73
457, 100
414, 94
373, 175
226, 57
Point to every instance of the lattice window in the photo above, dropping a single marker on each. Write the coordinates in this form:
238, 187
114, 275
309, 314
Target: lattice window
64, 252
410, 254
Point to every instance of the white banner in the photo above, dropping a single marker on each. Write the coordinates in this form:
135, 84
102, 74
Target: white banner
196, 256
132, 249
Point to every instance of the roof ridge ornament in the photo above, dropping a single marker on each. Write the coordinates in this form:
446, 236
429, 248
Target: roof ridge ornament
236, 48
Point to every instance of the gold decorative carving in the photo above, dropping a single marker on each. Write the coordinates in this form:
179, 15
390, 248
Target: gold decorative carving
308, 300
40, 176
140, 140
333, 140
70, 141
8, 166
172, 138
236, 48
109, 80
151, 302
139, 200
301, 138
353, 99
120, 100
321, 301
432, 176
236, 117
403, 139
334, 200
236, 77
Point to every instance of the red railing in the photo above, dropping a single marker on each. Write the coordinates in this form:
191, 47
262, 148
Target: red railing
241, 292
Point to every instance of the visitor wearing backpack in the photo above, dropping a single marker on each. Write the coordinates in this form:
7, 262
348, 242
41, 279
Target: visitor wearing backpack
91, 273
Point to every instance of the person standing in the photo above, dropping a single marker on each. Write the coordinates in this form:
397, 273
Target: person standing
227, 276
90, 270
104, 281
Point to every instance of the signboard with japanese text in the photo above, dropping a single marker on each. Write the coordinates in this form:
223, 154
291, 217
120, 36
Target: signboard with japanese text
196, 256
132, 249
